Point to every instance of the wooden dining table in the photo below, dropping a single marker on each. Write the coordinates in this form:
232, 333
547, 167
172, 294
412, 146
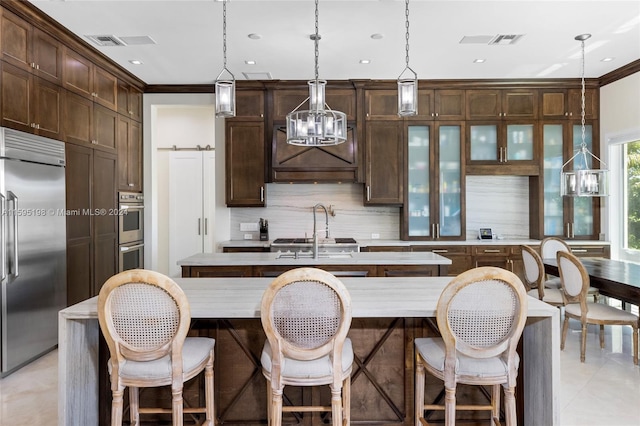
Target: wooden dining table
614, 278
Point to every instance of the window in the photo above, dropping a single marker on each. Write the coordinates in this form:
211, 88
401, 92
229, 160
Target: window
630, 219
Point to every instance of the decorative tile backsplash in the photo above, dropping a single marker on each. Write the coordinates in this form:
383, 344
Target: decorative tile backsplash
498, 202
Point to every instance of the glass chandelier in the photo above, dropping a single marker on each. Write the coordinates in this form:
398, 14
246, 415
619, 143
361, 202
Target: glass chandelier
319, 125
585, 182
408, 79
225, 82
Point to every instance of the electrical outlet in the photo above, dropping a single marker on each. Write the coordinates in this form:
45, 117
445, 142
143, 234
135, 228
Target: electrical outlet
375, 236
248, 236
249, 227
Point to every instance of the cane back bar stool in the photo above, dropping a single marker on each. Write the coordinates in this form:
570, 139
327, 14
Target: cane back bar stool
306, 314
575, 284
480, 314
145, 317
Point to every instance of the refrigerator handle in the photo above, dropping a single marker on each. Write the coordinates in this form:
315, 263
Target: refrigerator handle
3, 238
13, 196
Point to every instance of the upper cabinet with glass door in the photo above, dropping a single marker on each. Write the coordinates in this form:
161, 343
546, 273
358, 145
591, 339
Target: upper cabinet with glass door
567, 217
434, 208
502, 132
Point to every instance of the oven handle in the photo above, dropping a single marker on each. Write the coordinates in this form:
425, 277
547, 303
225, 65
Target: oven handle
128, 207
127, 248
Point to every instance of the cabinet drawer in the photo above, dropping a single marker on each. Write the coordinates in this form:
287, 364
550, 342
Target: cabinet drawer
442, 250
491, 250
591, 251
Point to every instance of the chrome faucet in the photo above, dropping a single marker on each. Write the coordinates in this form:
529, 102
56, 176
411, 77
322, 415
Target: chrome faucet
315, 233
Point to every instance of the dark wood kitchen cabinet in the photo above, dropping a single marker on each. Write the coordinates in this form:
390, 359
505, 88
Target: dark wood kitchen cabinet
92, 236
77, 119
245, 163
384, 162
489, 104
338, 99
459, 255
83, 77
438, 104
30, 103
567, 104
129, 101
29, 48
129, 147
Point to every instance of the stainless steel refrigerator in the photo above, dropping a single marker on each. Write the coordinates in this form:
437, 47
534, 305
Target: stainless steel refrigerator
33, 245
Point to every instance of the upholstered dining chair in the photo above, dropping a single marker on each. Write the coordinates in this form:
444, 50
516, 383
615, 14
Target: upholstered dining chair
306, 314
575, 284
480, 314
144, 317
549, 246
534, 278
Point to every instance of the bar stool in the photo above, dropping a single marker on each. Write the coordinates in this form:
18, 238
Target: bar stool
144, 317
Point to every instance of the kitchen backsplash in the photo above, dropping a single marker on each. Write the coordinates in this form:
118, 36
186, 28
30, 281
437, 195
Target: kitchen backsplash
498, 202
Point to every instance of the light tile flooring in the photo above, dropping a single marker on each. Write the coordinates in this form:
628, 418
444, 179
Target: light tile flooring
604, 391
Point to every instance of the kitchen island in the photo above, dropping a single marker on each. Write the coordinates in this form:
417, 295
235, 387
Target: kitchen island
356, 264
388, 313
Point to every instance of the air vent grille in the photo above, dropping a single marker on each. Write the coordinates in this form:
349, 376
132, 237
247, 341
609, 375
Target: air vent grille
105, 40
505, 39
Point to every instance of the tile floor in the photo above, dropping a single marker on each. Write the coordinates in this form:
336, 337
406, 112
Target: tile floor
604, 391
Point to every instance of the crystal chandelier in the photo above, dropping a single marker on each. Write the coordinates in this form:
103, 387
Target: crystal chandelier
585, 182
408, 79
319, 125
225, 82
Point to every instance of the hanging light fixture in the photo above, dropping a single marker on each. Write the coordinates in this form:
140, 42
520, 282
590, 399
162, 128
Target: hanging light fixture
225, 82
408, 79
319, 125
585, 182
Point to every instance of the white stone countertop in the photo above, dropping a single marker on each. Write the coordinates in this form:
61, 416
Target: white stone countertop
405, 243
376, 297
358, 258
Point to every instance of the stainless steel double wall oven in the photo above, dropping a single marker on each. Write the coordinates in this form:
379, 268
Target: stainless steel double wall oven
131, 230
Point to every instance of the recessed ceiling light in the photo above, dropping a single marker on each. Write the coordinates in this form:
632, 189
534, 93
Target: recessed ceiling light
136, 62
607, 59
479, 61
254, 36
365, 61
377, 36
250, 62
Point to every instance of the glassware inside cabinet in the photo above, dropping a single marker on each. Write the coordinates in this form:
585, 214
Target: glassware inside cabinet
484, 142
450, 177
552, 166
582, 206
418, 181
520, 142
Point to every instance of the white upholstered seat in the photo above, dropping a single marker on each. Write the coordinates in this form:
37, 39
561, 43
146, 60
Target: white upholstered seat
306, 315
480, 314
144, 317
575, 285
534, 278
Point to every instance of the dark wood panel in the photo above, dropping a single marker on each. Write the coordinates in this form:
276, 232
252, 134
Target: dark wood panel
216, 271
483, 104
105, 128
47, 57
105, 88
245, 164
15, 39
384, 163
16, 98
409, 271
285, 101
77, 73
47, 108
104, 198
79, 262
77, 119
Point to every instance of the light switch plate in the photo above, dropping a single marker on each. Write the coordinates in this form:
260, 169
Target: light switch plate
251, 226
375, 236
248, 236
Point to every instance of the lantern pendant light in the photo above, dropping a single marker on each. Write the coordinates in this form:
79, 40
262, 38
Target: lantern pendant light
584, 182
225, 82
319, 125
408, 79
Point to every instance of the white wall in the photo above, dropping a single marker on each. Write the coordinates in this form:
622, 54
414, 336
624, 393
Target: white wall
183, 120
619, 122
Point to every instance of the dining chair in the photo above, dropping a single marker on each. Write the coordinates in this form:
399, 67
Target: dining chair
144, 317
480, 314
534, 277
575, 284
306, 315
549, 246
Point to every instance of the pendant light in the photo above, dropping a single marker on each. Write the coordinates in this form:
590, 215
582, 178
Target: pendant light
408, 79
319, 125
584, 182
225, 82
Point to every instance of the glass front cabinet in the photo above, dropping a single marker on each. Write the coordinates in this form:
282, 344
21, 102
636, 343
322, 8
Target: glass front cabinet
434, 198
567, 217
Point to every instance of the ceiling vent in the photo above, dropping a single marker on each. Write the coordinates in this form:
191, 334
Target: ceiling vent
476, 39
137, 40
505, 39
105, 40
257, 75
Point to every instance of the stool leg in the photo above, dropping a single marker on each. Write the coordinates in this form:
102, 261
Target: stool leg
419, 391
116, 406
208, 392
450, 406
510, 405
134, 406
346, 401
177, 407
